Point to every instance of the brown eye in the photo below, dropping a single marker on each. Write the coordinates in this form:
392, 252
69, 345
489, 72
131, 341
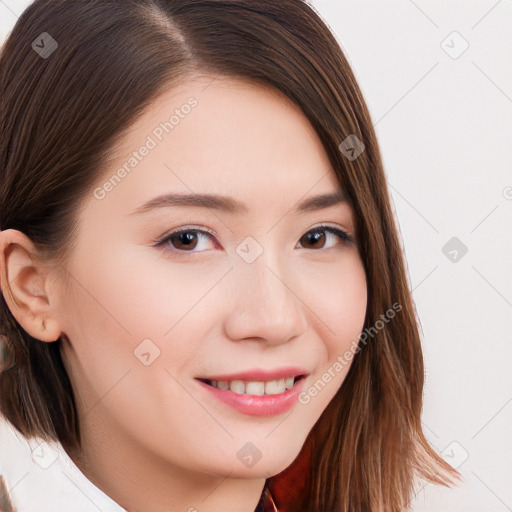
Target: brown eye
186, 241
317, 237
314, 238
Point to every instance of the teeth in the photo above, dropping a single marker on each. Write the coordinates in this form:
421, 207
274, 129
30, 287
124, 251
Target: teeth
258, 388
289, 382
255, 388
237, 386
273, 387
222, 384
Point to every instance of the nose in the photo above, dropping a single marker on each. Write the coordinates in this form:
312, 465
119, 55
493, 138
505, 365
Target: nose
266, 303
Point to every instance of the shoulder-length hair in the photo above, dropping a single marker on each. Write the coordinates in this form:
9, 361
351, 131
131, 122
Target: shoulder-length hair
61, 115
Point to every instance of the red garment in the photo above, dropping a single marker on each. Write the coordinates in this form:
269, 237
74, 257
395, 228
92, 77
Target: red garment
288, 487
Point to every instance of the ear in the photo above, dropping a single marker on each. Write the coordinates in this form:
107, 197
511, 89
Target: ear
24, 282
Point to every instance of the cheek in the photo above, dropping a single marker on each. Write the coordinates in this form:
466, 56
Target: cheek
158, 294
144, 316
135, 295
340, 309
126, 313
339, 301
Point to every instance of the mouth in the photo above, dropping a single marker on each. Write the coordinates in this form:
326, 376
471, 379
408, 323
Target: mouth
254, 387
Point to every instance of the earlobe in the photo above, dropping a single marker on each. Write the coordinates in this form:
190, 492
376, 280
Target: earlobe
23, 282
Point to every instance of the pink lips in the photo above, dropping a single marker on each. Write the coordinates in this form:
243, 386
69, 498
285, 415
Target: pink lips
258, 405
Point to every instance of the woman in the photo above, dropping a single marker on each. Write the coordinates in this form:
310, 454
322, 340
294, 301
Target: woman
204, 296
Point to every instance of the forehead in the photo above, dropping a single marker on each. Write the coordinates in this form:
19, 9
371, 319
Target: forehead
222, 136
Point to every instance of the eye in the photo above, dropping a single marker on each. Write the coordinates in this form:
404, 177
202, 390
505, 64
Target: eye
318, 235
186, 240
191, 240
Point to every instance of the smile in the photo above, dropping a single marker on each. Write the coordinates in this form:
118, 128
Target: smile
255, 398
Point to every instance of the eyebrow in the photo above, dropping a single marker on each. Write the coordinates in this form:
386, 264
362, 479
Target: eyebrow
230, 205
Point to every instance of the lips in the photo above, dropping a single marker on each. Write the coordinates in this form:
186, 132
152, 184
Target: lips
273, 400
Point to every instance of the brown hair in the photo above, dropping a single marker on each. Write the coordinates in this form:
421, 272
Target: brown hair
61, 115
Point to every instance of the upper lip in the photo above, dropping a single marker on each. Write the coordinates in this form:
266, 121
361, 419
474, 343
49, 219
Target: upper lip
260, 375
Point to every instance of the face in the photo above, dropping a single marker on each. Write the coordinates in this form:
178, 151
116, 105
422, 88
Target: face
162, 296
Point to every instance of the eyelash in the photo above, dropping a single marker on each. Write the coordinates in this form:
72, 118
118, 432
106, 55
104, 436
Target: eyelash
342, 235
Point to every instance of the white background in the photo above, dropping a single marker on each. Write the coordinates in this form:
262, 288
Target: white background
444, 122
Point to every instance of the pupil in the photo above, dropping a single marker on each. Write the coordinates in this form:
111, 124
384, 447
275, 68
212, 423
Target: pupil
186, 238
314, 236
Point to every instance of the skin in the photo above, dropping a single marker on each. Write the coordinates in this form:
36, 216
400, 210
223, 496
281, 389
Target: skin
151, 434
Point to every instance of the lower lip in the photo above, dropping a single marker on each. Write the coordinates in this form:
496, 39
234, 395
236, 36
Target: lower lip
258, 405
